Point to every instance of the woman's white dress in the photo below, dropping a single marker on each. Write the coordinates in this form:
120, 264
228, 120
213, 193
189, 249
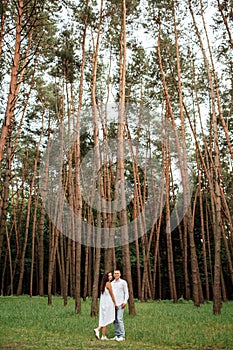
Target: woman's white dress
107, 309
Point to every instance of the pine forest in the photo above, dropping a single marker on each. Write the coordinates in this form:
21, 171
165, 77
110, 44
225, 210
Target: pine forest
116, 149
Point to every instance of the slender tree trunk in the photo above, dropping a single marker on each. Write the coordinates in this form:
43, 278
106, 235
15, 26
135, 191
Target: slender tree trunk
225, 22
171, 272
52, 260
5, 267
22, 262
137, 204
2, 30
120, 162
97, 166
78, 195
54, 235
12, 96
228, 255
42, 220
73, 268
69, 185
217, 193
223, 288
18, 209
86, 268
4, 199
137, 244
203, 240
61, 259
207, 215
185, 179
67, 271
33, 245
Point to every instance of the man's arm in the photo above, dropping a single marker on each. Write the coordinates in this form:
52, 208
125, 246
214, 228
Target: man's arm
126, 294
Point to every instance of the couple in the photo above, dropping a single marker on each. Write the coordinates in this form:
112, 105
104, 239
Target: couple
113, 299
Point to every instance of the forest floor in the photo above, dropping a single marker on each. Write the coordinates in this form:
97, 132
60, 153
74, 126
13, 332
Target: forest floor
30, 323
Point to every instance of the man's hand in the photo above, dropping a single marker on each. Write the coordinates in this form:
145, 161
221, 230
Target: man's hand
123, 305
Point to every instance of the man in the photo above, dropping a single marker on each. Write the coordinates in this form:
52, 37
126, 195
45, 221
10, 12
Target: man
121, 293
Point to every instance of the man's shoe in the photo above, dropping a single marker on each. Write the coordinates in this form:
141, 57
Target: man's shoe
97, 333
120, 339
115, 338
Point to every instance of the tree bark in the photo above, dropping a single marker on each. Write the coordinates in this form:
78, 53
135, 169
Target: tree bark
120, 162
13, 91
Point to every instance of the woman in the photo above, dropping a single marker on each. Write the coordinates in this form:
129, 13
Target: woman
107, 306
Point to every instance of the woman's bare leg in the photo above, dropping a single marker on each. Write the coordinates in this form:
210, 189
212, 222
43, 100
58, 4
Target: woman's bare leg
104, 329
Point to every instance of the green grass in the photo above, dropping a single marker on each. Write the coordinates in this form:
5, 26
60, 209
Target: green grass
29, 323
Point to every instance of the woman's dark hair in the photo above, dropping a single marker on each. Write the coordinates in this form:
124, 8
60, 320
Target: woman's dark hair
104, 281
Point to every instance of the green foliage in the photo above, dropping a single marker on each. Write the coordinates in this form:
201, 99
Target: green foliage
29, 323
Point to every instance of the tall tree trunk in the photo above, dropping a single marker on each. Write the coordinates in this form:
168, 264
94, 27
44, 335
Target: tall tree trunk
58, 210
208, 221
53, 243
120, 162
228, 255
78, 194
12, 96
97, 167
185, 178
33, 244
22, 262
4, 197
10, 290
34, 228
217, 193
42, 220
61, 262
15, 82
17, 213
171, 272
203, 239
86, 268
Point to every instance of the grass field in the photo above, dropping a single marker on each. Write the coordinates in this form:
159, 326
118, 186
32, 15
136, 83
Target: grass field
29, 323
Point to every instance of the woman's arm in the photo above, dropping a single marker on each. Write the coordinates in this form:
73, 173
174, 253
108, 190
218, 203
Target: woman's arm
109, 287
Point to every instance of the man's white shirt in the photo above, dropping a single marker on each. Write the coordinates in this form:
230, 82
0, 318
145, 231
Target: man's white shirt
120, 290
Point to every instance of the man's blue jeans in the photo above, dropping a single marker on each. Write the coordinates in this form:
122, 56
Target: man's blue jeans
118, 323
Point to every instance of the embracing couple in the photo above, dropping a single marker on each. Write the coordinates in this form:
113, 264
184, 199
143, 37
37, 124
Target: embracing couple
113, 299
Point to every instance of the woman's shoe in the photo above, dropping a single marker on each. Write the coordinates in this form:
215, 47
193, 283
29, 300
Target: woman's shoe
104, 338
97, 333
